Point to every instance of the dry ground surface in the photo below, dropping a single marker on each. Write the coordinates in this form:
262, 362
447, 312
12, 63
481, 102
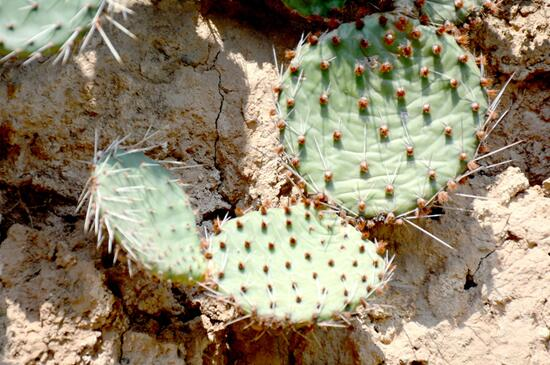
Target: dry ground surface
204, 83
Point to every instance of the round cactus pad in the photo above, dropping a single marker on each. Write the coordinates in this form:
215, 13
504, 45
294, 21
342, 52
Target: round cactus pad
380, 114
146, 211
294, 265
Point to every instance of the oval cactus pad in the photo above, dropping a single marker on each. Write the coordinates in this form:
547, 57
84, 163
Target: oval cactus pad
294, 265
380, 114
140, 206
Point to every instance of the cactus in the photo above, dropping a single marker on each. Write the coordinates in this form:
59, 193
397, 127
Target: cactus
381, 114
308, 8
140, 205
285, 265
440, 11
36, 28
294, 265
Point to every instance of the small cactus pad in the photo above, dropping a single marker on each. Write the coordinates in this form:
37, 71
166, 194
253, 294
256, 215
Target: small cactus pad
41, 26
440, 11
314, 7
380, 114
140, 205
294, 265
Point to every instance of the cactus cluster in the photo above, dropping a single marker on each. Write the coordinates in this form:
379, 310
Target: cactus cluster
378, 117
281, 266
381, 114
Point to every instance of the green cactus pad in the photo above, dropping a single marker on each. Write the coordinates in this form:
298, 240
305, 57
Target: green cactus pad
294, 265
140, 205
380, 114
440, 11
314, 7
43, 26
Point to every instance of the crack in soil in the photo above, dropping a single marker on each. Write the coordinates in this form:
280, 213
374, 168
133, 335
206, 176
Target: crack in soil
217, 164
122, 359
481, 261
213, 67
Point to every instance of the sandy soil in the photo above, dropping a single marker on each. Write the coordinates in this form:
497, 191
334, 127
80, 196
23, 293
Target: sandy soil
205, 84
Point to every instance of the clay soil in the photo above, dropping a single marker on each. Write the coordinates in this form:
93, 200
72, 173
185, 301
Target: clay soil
203, 82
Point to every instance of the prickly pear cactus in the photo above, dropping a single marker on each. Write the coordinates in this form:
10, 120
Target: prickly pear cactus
457, 11
294, 265
138, 203
314, 7
380, 114
42, 26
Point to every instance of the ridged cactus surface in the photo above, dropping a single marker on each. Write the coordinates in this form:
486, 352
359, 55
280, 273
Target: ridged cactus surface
43, 25
314, 7
380, 114
294, 265
140, 206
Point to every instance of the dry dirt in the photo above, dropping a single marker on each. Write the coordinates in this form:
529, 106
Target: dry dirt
204, 83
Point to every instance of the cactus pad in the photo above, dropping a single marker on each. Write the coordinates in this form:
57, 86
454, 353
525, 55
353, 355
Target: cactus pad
44, 25
146, 211
294, 265
380, 114
314, 7
440, 11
